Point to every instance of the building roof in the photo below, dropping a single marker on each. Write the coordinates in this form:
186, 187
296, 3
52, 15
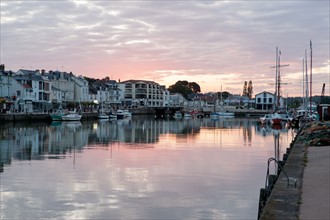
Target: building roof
139, 81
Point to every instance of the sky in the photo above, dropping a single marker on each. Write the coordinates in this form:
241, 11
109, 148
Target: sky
217, 44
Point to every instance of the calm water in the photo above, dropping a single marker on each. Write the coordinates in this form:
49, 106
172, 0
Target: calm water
136, 169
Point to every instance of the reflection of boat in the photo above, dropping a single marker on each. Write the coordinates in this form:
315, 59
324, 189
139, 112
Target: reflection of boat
177, 115
71, 116
218, 115
71, 124
102, 115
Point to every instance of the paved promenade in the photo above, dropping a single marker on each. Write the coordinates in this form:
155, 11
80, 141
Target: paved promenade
307, 195
315, 199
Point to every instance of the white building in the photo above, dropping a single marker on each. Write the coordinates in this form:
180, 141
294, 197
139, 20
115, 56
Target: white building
267, 101
81, 91
142, 93
63, 81
37, 87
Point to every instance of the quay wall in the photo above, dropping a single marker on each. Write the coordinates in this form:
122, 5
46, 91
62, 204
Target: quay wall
282, 196
284, 199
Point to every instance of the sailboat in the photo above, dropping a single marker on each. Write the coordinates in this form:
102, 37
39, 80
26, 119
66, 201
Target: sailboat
102, 114
276, 117
222, 113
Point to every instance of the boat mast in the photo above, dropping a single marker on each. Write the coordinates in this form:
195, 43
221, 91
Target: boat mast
310, 96
276, 72
303, 82
306, 72
277, 79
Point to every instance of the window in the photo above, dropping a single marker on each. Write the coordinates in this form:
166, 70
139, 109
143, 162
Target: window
259, 100
270, 100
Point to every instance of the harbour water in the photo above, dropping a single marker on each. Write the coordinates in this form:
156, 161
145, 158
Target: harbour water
139, 168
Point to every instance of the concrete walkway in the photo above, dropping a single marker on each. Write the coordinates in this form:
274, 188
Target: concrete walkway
315, 198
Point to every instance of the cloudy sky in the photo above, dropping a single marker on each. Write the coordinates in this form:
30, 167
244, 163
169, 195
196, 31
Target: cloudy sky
214, 43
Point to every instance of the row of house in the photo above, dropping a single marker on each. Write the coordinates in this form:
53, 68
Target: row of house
34, 90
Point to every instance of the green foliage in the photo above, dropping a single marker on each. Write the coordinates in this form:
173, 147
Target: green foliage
248, 89
225, 95
185, 88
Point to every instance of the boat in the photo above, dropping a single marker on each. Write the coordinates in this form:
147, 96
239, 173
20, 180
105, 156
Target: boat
127, 113
214, 116
72, 116
276, 119
102, 114
177, 115
57, 115
226, 114
187, 115
120, 114
266, 118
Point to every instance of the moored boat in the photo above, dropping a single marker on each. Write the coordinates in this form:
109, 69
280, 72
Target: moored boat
72, 116
177, 115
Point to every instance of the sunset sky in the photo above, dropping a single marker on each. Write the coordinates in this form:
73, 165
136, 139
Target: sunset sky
212, 43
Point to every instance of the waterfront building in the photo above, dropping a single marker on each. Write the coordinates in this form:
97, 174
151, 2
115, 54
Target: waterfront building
137, 93
37, 88
63, 81
105, 92
177, 100
266, 101
81, 90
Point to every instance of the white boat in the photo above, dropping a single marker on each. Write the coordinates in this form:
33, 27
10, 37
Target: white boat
226, 114
177, 115
187, 115
266, 118
120, 114
127, 113
214, 116
71, 116
102, 114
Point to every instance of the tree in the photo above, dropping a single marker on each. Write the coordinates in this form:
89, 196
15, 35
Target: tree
250, 90
185, 88
245, 89
194, 87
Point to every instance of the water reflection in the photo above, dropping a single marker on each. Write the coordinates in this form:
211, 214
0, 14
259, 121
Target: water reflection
40, 141
135, 169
